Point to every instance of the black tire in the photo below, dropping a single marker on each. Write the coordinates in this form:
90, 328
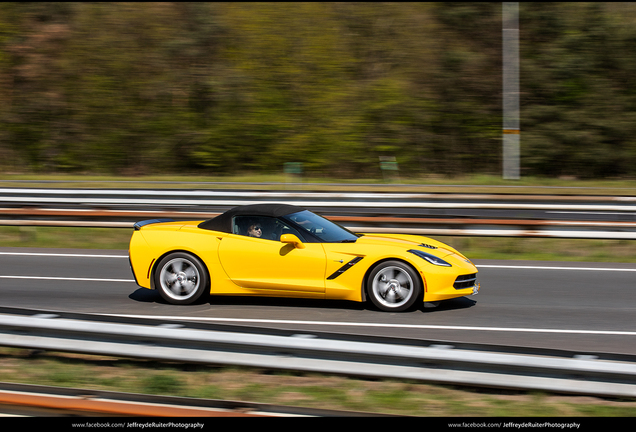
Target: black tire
181, 278
393, 286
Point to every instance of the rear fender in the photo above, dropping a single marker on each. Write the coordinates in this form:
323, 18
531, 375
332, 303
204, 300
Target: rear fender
137, 226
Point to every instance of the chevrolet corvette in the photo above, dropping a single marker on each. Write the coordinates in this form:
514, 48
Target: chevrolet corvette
281, 250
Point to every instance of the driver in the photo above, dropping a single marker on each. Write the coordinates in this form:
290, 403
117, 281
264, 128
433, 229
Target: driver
255, 230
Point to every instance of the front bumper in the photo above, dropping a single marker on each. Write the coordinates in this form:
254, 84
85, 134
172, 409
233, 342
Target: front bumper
451, 292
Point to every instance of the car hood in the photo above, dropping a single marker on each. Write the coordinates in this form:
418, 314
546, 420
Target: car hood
409, 242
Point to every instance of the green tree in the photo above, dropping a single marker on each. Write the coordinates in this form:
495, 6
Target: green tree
227, 87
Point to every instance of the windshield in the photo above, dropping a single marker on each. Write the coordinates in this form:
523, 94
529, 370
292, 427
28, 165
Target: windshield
326, 231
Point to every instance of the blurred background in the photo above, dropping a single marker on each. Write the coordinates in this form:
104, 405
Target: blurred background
225, 88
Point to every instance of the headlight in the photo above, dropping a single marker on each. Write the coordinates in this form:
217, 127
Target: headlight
430, 258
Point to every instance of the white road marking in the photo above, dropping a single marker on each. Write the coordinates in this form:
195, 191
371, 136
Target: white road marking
555, 268
478, 266
61, 255
66, 278
386, 325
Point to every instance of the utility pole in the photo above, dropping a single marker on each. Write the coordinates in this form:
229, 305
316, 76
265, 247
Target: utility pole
511, 131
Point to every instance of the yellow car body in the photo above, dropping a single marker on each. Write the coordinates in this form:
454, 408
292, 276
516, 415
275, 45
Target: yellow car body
217, 258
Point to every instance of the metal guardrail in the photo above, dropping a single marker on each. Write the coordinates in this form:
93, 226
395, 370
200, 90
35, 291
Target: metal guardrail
188, 197
409, 213
403, 225
435, 363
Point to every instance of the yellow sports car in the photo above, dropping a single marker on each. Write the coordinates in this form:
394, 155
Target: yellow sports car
286, 251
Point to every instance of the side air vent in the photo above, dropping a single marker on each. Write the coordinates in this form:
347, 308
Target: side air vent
344, 268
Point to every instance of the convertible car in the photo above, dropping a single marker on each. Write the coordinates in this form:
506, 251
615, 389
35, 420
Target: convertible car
287, 251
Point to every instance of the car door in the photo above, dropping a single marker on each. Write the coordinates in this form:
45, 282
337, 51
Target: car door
265, 263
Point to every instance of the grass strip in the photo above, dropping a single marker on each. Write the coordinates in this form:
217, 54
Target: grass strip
312, 390
459, 184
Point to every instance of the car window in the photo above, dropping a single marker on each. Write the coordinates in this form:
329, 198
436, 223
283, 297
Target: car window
321, 228
267, 228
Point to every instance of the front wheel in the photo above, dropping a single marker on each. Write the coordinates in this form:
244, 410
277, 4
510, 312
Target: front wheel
181, 278
393, 286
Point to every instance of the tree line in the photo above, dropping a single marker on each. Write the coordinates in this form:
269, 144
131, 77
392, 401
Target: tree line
222, 88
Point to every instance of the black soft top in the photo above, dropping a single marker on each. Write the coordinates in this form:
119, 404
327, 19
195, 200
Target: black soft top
223, 222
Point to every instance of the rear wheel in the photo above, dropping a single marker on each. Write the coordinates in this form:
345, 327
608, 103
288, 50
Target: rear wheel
181, 278
393, 286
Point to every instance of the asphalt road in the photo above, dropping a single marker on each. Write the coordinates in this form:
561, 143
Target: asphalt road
585, 307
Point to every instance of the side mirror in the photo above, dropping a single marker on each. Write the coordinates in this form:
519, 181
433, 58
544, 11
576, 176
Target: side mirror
292, 239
